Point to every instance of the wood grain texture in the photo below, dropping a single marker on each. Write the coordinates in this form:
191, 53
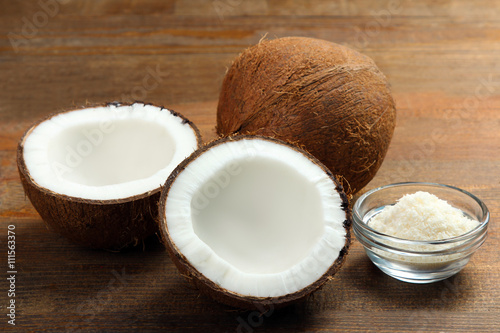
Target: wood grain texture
441, 58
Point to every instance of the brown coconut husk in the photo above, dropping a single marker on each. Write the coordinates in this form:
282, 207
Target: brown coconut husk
330, 99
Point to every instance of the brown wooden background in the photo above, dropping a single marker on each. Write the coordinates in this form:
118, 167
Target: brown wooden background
442, 59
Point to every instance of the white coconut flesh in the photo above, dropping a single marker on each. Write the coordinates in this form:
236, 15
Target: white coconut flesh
256, 217
108, 152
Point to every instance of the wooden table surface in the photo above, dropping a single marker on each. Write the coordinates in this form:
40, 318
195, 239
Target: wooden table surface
442, 59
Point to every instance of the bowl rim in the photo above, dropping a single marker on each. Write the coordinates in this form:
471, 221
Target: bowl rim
365, 228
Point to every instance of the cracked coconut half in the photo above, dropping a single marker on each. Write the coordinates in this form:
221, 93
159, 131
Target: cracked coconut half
253, 220
94, 174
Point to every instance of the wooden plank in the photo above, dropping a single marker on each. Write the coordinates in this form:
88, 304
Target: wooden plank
441, 59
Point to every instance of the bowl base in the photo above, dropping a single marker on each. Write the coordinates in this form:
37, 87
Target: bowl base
417, 278
402, 273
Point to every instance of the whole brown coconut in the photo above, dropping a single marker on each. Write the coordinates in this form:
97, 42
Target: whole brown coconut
328, 98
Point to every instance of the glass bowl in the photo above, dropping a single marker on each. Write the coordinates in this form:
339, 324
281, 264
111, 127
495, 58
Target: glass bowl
419, 261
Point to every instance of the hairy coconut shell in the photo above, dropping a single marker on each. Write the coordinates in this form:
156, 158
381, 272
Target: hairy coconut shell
100, 224
328, 98
215, 291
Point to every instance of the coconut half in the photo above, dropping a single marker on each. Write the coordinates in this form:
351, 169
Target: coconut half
253, 220
94, 174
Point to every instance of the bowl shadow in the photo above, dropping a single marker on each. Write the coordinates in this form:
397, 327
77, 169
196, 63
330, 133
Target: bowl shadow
390, 293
